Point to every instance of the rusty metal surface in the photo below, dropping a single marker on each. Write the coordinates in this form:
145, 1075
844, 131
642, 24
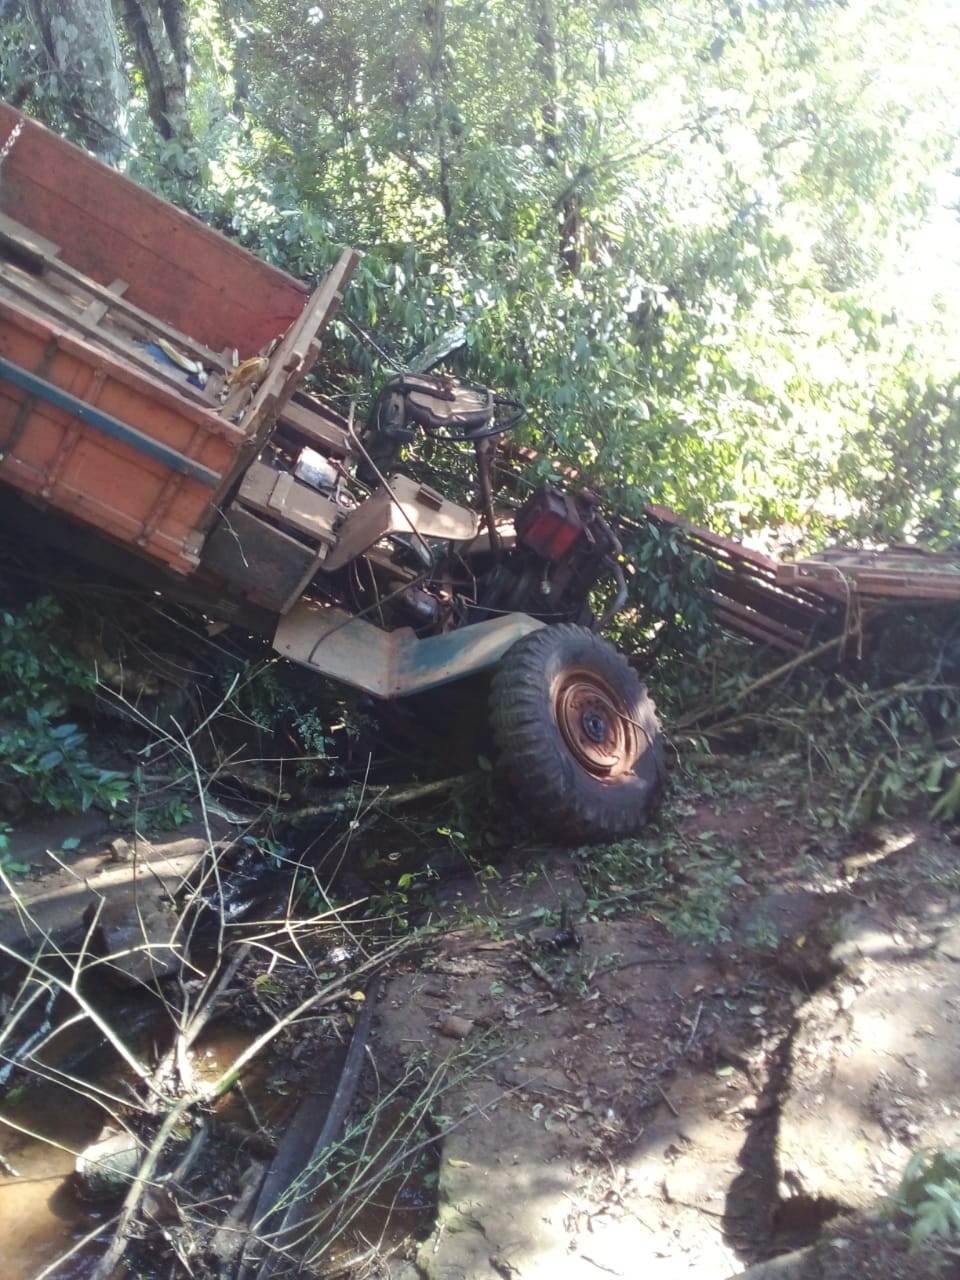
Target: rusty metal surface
296, 505
747, 596
403, 506
391, 664
897, 573
258, 561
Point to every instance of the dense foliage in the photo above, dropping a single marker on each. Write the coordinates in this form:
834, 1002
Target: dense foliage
706, 243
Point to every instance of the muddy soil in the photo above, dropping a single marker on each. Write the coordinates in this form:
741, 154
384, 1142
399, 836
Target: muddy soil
727, 1078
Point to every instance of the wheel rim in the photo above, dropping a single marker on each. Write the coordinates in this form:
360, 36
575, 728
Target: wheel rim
593, 725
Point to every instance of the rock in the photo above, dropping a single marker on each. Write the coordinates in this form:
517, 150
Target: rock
871, 1070
455, 1027
789, 1266
136, 933
105, 1168
120, 850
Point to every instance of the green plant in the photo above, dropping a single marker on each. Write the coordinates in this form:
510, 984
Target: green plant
51, 763
9, 865
288, 712
621, 876
762, 933
43, 759
175, 812
701, 915
929, 1193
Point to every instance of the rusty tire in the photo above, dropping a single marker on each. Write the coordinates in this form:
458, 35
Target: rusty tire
578, 739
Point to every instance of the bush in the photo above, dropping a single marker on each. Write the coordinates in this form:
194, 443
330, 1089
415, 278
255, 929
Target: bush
43, 757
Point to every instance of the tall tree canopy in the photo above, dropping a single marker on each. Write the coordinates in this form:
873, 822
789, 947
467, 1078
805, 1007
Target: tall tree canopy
696, 238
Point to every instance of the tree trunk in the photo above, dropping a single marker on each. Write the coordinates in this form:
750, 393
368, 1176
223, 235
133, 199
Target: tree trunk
158, 30
235, 17
435, 15
568, 204
80, 41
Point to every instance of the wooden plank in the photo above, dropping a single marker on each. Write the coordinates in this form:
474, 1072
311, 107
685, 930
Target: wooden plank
756, 559
34, 327
154, 325
44, 260
754, 630
23, 246
116, 475
94, 311
902, 573
85, 411
756, 626
288, 368
107, 227
298, 350
765, 598
878, 585
733, 556
16, 284
320, 425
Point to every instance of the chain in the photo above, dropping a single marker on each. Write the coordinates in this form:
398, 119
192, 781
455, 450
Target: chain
8, 145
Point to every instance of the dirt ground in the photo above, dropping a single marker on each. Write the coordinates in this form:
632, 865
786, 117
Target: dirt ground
706, 1053
687, 1090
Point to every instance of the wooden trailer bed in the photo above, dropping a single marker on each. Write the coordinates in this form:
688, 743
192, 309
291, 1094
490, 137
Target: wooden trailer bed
144, 359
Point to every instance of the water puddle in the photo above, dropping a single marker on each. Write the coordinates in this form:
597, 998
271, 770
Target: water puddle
40, 1215
46, 1124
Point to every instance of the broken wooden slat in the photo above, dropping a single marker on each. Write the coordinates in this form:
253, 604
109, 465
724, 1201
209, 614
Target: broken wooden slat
94, 311
297, 352
25, 247
320, 425
880, 575
23, 288
47, 263
757, 626
297, 1171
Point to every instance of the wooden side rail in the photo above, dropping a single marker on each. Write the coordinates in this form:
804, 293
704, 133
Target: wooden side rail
32, 252
105, 422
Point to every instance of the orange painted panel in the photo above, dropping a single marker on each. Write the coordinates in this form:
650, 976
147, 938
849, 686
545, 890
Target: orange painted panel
110, 228
82, 470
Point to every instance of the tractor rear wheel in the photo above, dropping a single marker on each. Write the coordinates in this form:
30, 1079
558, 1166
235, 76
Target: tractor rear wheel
578, 738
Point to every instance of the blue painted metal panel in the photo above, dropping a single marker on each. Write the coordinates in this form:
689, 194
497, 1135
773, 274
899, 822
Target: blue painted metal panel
106, 423
393, 664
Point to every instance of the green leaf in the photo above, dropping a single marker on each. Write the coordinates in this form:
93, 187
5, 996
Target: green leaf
65, 731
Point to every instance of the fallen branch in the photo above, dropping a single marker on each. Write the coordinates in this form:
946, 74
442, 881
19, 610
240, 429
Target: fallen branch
339, 801
301, 1159
670, 1105
176, 1116
539, 972
695, 717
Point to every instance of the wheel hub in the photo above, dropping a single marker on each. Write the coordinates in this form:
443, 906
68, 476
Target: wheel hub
598, 736
595, 727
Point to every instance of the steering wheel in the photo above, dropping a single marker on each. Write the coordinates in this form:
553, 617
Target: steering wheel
496, 428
